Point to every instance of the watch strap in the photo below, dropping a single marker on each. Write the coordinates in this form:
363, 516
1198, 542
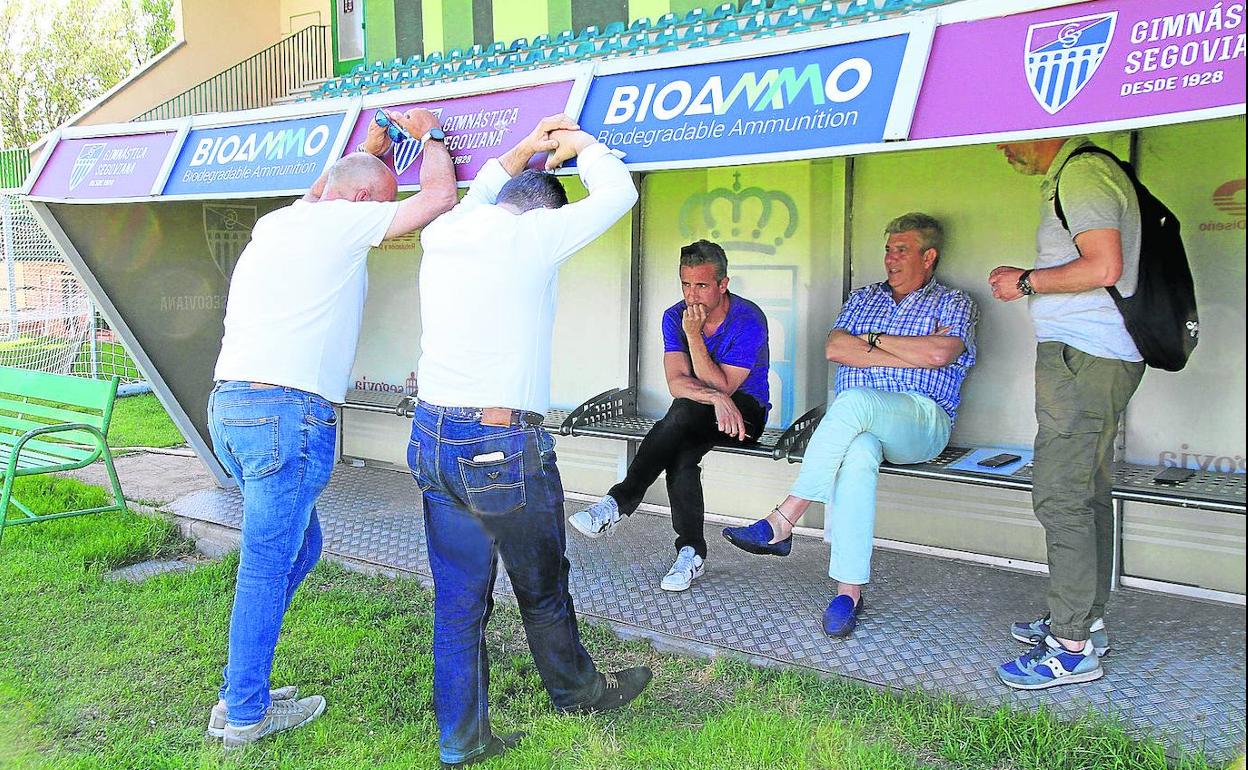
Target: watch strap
1024, 284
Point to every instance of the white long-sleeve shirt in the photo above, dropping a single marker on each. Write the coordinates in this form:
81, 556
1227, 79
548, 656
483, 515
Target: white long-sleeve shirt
489, 281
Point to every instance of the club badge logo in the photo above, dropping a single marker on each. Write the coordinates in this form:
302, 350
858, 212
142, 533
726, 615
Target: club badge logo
88, 156
1062, 56
406, 153
227, 230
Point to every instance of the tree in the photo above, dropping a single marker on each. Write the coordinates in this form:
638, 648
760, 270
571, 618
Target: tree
51, 64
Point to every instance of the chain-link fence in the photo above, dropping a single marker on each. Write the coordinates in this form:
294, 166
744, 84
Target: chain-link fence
49, 323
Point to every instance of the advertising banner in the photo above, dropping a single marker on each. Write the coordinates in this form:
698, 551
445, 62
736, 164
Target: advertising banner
276, 156
478, 127
831, 96
1081, 64
104, 167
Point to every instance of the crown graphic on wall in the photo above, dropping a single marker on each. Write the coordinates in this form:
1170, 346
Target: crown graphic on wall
750, 219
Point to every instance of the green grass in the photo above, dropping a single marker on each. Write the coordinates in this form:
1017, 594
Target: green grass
140, 421
111, 357
102, 675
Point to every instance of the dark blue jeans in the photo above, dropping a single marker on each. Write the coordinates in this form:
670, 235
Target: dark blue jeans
278, 444
490, 492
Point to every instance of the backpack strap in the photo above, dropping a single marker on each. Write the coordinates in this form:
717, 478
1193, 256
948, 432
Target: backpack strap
1127, 169
1085, 150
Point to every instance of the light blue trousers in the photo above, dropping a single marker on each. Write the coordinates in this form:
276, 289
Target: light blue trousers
842, 462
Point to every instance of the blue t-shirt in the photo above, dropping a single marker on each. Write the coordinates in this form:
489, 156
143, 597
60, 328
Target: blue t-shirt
741, 340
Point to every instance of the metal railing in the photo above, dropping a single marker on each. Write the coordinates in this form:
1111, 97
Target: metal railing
14, 166
255, 82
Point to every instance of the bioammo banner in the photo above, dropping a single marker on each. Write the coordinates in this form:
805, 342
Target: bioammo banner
790, 102
104, 167
478, 127
1080, 64
279, 155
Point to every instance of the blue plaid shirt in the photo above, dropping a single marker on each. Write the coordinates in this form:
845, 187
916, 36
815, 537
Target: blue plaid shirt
872, 309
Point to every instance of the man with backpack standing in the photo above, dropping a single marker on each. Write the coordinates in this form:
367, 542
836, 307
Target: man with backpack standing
1087, 368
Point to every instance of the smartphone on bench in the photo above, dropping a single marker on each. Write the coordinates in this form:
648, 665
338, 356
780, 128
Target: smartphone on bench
996, 461
1173, 476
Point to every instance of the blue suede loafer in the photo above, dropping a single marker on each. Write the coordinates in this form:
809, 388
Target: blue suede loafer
756, 538
841, 616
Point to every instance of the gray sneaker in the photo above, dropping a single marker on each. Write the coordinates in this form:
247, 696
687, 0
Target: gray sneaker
1035, 632
216, 720
282, 715
598, 519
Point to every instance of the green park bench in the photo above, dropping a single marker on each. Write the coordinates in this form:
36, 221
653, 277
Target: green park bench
51, 423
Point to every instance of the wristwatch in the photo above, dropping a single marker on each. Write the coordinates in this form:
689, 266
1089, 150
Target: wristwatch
435, 133
1024, 284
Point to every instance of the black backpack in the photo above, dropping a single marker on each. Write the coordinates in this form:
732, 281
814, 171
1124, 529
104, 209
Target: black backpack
1161, 315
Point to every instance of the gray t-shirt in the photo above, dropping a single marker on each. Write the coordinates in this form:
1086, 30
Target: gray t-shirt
1096, 195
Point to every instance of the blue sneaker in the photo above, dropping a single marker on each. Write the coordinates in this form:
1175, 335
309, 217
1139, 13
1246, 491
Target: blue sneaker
1049, 665
841, 616
1035, 631
756, 538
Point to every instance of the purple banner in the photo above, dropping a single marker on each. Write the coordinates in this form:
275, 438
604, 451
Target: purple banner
104, 167
477, 127
1087, 63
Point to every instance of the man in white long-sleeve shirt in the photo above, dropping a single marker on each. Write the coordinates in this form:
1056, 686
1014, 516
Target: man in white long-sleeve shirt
483, 463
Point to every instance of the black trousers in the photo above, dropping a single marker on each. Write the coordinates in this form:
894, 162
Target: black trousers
676, 444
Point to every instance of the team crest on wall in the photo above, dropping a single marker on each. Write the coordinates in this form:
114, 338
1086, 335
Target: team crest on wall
749, 219
1062, 56
227, 230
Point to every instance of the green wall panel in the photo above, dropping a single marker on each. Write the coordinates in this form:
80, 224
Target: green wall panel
558, 16
456, 24
651, 9
379, 30
598, 13
482, 22
409, 27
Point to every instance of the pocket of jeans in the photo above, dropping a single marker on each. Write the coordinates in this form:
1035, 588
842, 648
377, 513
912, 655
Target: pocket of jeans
494, 486
413, 465
255, 443
332, 422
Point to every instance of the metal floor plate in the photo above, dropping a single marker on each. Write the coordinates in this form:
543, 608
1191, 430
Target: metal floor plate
1176, 671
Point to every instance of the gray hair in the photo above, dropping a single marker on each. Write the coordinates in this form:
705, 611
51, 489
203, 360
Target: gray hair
931, 234
705, 252
360, 171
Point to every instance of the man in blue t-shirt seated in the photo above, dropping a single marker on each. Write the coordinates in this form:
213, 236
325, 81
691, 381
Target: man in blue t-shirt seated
715, 358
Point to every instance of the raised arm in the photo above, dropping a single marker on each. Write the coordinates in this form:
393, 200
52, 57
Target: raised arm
611, 194
437, 177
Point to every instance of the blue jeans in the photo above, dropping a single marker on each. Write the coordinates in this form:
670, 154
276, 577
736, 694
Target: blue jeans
490, 492
278, 444
842, 463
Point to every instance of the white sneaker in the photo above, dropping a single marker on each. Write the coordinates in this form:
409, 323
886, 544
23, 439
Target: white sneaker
598, 519
688, 567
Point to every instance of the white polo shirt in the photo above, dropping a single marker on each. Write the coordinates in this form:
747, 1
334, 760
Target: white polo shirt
489, 281
297, 296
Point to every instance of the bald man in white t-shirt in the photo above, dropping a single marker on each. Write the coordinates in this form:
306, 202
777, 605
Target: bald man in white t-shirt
291, 326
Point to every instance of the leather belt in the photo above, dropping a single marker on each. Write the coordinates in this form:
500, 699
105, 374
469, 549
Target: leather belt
502, 417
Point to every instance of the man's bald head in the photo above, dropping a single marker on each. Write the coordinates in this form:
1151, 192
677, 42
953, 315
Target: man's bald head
360, 177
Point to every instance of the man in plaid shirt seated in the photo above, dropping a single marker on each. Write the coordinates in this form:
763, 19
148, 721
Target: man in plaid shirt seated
904, 346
